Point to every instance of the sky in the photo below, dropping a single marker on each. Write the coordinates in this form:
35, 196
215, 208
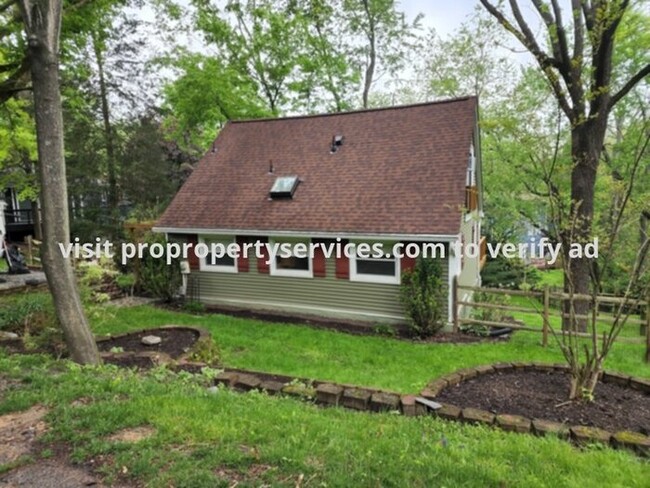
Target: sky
444, 15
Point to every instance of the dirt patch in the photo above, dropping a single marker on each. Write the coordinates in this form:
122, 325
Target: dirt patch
175, 341
132, 435
19, 431
543, 395
48, 475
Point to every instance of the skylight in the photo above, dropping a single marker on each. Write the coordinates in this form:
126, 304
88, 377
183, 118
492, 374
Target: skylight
284, 186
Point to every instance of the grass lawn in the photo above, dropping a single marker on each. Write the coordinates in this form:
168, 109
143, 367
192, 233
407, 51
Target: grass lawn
363, 360
205, 440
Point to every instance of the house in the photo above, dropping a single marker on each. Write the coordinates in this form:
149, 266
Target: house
16, 219
407, 174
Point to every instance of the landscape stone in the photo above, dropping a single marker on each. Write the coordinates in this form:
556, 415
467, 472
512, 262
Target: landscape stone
477, 416
410, 408
616, 378
151, 340
513, 423
329, 394
484, 369
543, 427
632, 440
299, 390
226, 378
452, 379
383, 402
583, 434
356, 398
272, 387
247, 382
8, 335
447, 411
640, 384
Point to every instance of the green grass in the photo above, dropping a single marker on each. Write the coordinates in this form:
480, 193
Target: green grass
206, 440
363, 360
553, 278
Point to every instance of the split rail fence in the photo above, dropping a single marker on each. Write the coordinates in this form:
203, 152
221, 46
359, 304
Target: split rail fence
540, 306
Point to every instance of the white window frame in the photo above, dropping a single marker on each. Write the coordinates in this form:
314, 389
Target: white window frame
396, 279
294, 273
218, 268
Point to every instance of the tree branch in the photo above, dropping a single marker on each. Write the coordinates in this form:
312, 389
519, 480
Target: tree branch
645, 71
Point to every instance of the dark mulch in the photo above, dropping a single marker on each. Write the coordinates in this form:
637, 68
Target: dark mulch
541, 395
175, 341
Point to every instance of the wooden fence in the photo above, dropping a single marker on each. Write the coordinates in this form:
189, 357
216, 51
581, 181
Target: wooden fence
541, 304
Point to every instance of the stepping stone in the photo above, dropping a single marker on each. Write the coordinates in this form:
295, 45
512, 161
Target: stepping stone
151, 340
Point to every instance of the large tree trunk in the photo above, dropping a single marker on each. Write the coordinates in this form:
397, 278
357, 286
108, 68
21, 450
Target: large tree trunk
586, 143
42, 23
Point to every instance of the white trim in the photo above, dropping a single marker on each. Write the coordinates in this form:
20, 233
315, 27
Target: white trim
309, 234
295, 273
396, 279
453, 270
218, 268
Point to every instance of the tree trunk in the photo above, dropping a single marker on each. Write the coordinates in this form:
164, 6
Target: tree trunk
108, 132
42, 23
372, 54
586, 143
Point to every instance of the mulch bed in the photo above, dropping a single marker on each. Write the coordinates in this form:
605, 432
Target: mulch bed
175, 341
543, 395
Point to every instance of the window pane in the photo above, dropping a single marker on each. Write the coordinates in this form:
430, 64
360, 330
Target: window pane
376, 267
292, 263
222, 261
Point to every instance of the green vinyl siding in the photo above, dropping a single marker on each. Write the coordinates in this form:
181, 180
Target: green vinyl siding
328, 296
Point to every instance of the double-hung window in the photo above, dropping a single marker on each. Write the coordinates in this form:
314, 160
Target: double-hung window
292, 258
220, 256
367, 265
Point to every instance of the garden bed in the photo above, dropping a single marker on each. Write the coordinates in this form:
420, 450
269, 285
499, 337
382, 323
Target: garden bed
175, 342
543, 395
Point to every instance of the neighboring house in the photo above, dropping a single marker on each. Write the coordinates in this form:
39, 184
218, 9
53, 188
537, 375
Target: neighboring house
17, 216
409, 174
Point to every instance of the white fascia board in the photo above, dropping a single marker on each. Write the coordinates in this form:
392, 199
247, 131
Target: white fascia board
308, 234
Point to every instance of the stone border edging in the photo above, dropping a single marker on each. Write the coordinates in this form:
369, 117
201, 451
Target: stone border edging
376, 400
579, 434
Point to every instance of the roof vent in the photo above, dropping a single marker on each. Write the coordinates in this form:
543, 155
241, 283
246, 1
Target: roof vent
337, 141
284, 187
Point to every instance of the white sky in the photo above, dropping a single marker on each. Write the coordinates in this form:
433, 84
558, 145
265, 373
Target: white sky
445, 16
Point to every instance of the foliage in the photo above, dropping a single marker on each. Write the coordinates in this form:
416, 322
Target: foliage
157, 278
487, 314
206, 351
502, 272
422, 295
31, 312
126, 282
193, 306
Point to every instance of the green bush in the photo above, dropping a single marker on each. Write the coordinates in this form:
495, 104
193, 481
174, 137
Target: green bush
486, 314
157, 278
126, 282
508, 273
422, 295
31, 312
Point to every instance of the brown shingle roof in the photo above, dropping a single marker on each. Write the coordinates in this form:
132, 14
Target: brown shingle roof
400, 170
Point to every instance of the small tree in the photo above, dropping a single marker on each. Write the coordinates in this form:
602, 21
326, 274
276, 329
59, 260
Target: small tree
421, 295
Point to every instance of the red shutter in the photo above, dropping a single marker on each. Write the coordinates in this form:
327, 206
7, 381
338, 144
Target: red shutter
192, 259
242, 261
262, 265
343, 264
318, 262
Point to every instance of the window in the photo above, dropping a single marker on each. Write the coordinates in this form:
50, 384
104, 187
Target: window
284, 186
291, 258
219, 260
365, 267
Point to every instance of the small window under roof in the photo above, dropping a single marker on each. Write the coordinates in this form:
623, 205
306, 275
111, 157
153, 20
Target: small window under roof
284, 187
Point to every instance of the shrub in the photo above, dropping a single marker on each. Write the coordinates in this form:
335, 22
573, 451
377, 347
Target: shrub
486, 314
508, 273
157, 278
126, 282
32, 312
422, 294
